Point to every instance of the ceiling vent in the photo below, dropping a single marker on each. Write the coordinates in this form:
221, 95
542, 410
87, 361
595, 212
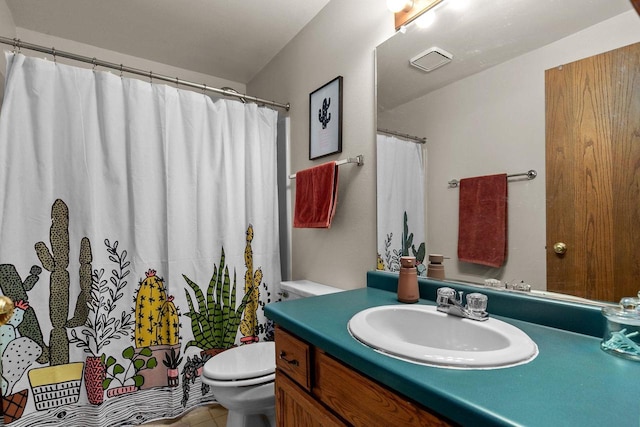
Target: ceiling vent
431, 59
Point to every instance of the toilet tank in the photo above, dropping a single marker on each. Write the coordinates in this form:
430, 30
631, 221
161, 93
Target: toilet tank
297, 289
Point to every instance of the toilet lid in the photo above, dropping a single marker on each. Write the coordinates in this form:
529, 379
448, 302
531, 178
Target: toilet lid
244, 362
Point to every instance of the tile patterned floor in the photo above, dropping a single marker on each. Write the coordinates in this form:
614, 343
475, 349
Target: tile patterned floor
202, 416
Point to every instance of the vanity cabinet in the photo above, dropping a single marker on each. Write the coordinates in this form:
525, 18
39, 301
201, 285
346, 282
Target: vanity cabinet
314, 389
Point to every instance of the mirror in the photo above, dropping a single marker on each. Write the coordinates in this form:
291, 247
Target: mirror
483, 113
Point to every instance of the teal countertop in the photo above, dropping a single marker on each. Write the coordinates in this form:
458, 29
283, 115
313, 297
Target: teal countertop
571, 382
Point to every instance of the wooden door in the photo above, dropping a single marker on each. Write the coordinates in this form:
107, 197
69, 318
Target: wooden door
593, 179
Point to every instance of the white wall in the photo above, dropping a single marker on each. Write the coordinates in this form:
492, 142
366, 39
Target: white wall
494, 122
7, 29
339, 41
119, 58
7, 26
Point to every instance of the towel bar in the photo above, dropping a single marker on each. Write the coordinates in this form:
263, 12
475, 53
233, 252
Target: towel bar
358, 160
531, 174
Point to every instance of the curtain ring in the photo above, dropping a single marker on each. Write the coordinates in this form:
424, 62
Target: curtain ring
53, 52
120, 70
177, 83
151, 77
93, 61
204, 89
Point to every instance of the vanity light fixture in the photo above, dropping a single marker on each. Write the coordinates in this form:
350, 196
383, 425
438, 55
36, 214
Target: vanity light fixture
431, 59
408, 11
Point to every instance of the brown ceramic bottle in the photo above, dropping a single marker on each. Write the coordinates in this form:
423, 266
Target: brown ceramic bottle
435, 268
408, 281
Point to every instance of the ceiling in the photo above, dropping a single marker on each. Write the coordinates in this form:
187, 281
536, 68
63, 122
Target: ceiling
229, 39
482, 35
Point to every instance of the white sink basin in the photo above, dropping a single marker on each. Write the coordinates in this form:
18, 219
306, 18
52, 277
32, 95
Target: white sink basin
421, 334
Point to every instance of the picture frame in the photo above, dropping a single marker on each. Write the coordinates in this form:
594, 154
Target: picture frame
325, 120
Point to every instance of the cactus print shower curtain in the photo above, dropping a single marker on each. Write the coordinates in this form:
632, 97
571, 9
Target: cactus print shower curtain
401, 195
138, 237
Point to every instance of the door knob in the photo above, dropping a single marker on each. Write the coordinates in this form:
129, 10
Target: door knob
560, 248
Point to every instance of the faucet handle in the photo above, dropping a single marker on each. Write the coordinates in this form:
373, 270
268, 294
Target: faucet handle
477, 303
445, 295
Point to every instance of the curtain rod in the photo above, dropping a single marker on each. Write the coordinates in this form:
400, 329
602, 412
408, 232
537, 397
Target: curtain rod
418, 139
19, 44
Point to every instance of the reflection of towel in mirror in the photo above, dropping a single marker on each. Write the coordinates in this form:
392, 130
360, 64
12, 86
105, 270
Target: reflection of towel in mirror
316, 196
482, 229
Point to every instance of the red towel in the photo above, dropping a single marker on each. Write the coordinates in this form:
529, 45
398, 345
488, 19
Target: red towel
482, 228
316, 196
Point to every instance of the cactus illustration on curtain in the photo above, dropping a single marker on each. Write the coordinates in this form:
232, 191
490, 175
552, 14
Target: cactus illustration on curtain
215, 323
393, 256
169, 323
18, 353
156, 315
407, 242
248, 326
16, 289
56, 261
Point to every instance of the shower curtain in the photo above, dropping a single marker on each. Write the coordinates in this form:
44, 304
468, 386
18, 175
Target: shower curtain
138, 237
401, 195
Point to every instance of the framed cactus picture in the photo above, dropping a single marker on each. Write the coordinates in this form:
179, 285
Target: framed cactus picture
325, 119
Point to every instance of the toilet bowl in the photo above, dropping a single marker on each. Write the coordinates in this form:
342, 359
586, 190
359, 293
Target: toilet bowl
242, 378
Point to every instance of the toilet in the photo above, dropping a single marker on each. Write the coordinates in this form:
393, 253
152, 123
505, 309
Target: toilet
242, 378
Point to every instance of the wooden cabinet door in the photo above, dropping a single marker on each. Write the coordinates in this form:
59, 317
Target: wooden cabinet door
295, 408
593, 179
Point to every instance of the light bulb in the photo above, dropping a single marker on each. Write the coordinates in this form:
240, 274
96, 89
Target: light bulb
396, 6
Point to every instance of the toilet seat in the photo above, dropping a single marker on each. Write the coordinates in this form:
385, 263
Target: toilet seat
246, 365
239, 383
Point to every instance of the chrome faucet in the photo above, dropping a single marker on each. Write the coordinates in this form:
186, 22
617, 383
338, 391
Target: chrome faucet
475, 309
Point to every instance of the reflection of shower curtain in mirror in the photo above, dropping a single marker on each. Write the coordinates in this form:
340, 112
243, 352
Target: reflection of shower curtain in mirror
139, 230
401, 198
